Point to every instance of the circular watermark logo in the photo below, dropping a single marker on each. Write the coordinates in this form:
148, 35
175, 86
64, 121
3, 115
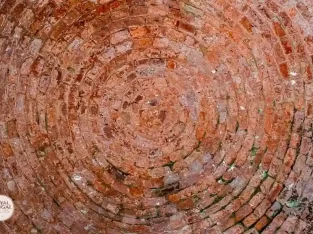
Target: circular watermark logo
6, 208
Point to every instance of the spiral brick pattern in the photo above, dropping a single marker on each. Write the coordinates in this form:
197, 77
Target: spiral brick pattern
157, 116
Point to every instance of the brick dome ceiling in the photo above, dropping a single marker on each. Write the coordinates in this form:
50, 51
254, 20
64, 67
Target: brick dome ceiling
156, 116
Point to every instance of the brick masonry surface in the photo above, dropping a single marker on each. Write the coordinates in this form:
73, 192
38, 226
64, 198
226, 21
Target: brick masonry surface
157, 116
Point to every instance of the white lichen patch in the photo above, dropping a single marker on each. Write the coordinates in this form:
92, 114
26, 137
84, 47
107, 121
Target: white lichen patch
293, 73
77, 177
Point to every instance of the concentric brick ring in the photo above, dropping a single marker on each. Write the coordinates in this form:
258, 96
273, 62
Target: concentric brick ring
158, 116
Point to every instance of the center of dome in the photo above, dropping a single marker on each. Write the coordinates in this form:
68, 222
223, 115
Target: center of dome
147, 112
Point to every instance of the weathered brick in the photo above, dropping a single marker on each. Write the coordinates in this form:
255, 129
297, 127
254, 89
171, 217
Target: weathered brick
119, 36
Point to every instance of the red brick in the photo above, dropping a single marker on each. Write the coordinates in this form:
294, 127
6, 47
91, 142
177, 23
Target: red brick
243, 212
6, 149
143, 43
286, 45
246, 24
11, 128
284, 70
186, 27
250, 220
186, 204
262, 223
58, 30
278, 29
